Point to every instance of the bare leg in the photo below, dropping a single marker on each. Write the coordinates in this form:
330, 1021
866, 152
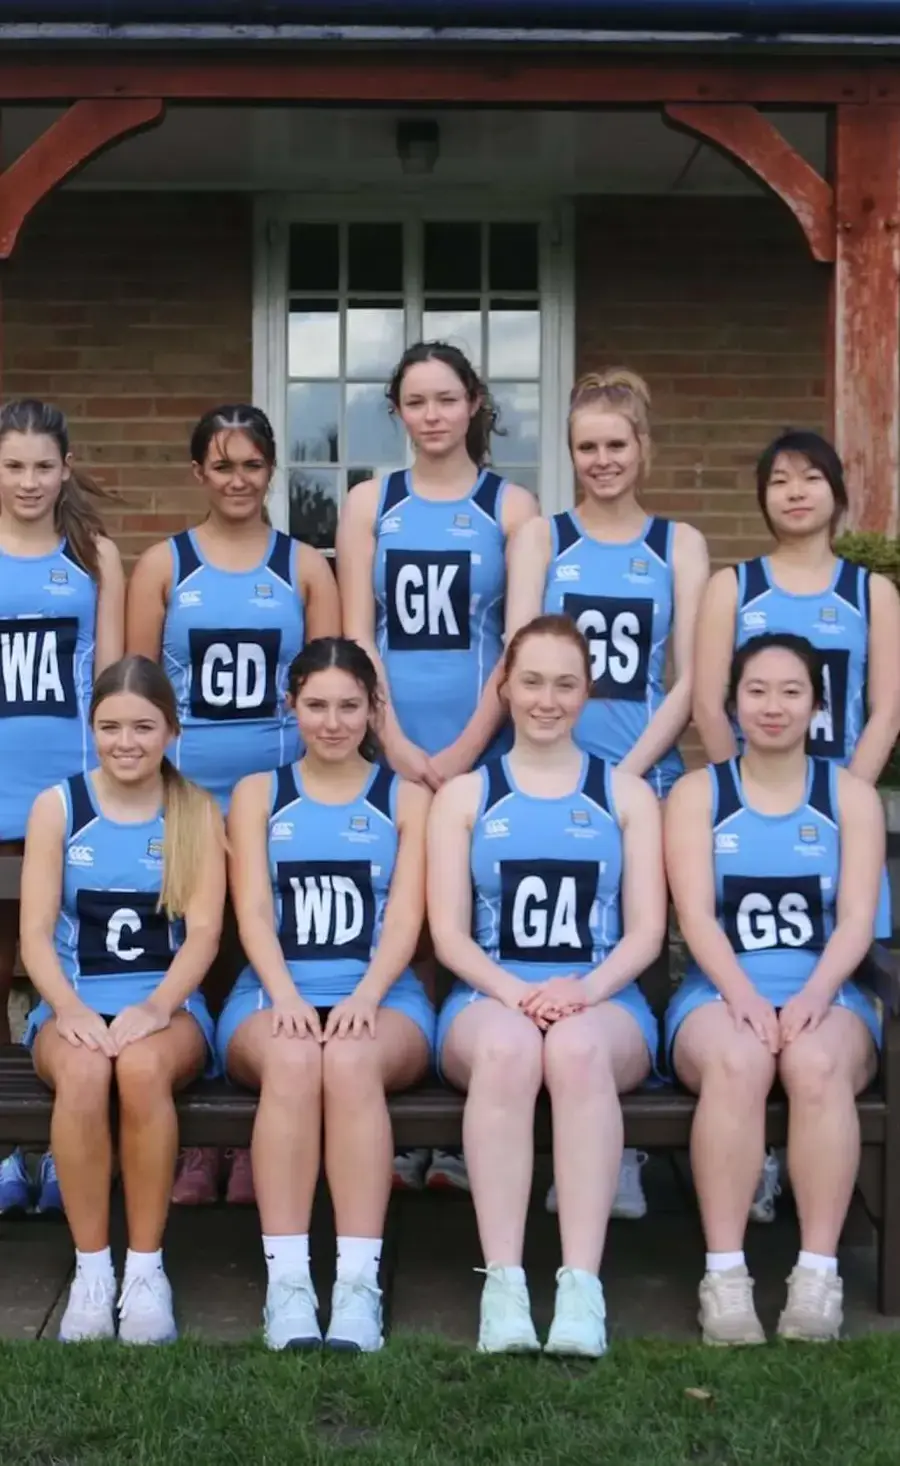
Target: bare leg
147, 1075
822, 1072
588, 1060
79, 1132
732, 1072
287, 1134
496, 1054
358, 1143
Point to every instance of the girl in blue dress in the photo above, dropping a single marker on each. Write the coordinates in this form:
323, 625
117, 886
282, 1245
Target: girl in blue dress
547, 899
774, 861
62, 594
123, 885
328, 882
225, 608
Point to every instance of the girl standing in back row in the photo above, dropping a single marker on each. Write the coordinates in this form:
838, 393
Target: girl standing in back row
422, 559
62, 595
225, 608
632, 583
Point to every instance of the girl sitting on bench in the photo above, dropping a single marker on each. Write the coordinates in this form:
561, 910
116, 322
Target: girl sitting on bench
774, 862
328, 882
553, 860
123, 884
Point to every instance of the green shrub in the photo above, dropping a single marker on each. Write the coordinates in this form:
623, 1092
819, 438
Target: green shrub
881, 554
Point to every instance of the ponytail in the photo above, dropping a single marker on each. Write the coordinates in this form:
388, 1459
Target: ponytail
190, 816
617, 390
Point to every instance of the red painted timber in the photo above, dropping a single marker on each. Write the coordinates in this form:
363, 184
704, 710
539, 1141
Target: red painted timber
866, 311
466, 77
83, 131
748, 136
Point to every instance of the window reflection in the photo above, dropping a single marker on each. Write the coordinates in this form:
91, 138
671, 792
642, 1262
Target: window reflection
313, 499
374, 338
373, 436
514, 340
314, 339
313, 422
519, 404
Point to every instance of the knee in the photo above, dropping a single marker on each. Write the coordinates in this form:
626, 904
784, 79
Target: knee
82, 1082
291, 1070
574, 1059
808, 1073
350, 1067
510, 1064
142, 1075
740, 1070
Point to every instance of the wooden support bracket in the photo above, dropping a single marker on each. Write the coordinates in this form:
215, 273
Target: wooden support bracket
752, 140
83, 131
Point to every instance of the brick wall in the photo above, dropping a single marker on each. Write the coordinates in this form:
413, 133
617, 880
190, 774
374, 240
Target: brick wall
133, 312
719, 305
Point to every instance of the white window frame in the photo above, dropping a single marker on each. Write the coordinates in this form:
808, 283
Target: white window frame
273, 217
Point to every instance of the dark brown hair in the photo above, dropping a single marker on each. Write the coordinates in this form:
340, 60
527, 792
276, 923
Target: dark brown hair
802, 649
75, 513
348, 656
484, 420
188, 810
818, 452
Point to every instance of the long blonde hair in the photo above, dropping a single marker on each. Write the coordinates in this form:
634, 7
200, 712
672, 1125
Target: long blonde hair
76, 515
617, 390
191, 816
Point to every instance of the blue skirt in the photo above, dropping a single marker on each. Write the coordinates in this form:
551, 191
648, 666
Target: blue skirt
110, 995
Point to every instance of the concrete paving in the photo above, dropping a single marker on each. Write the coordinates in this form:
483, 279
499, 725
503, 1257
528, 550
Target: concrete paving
651, 1270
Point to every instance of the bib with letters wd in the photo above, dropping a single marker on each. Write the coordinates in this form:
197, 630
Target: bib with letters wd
228, 642
48, 610
836, 622
440, 580
621, 599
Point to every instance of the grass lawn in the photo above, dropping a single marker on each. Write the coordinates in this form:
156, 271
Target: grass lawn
651, 1404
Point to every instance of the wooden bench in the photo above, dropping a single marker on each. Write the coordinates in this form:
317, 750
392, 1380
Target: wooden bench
214, 1113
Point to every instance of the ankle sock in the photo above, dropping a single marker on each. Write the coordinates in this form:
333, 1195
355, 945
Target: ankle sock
721, 1262
286, 1256
511, 1274
358, 1257
143, 1264
818, 1262
92, 1265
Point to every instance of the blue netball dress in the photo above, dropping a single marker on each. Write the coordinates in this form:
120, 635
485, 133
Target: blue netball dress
546, 882
113, 945
48, 612
440, 581
776, 893
229, 639
621, 599
837, 624
331, 867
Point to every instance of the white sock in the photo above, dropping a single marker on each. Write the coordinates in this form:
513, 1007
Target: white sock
511, 1274
286, 1256
818, 1262
143, 1264
93, 1265
720, 1262
358, 1257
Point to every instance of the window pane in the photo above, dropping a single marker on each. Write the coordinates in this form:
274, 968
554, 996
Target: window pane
373, 436
452, 256
314, 339
374, 338
313, 496
514, 340
314, 257
375, 256
527, 477
513, 257
519, 404
312, 420
458, 324
359, 475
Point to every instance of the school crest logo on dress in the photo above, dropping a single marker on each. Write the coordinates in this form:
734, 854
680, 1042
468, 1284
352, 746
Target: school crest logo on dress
155, 848
580, 816
263, 592
809, 834
59, 577
640, 567
359, 822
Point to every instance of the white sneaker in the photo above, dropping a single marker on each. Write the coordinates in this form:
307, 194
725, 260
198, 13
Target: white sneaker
727, 1314
89, 1310
289, 1317
579, 1318
356, 1317
814, 1310
409, 1169
506, 1325
447, 1169
762, 1208
629, 1201
145, 1310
